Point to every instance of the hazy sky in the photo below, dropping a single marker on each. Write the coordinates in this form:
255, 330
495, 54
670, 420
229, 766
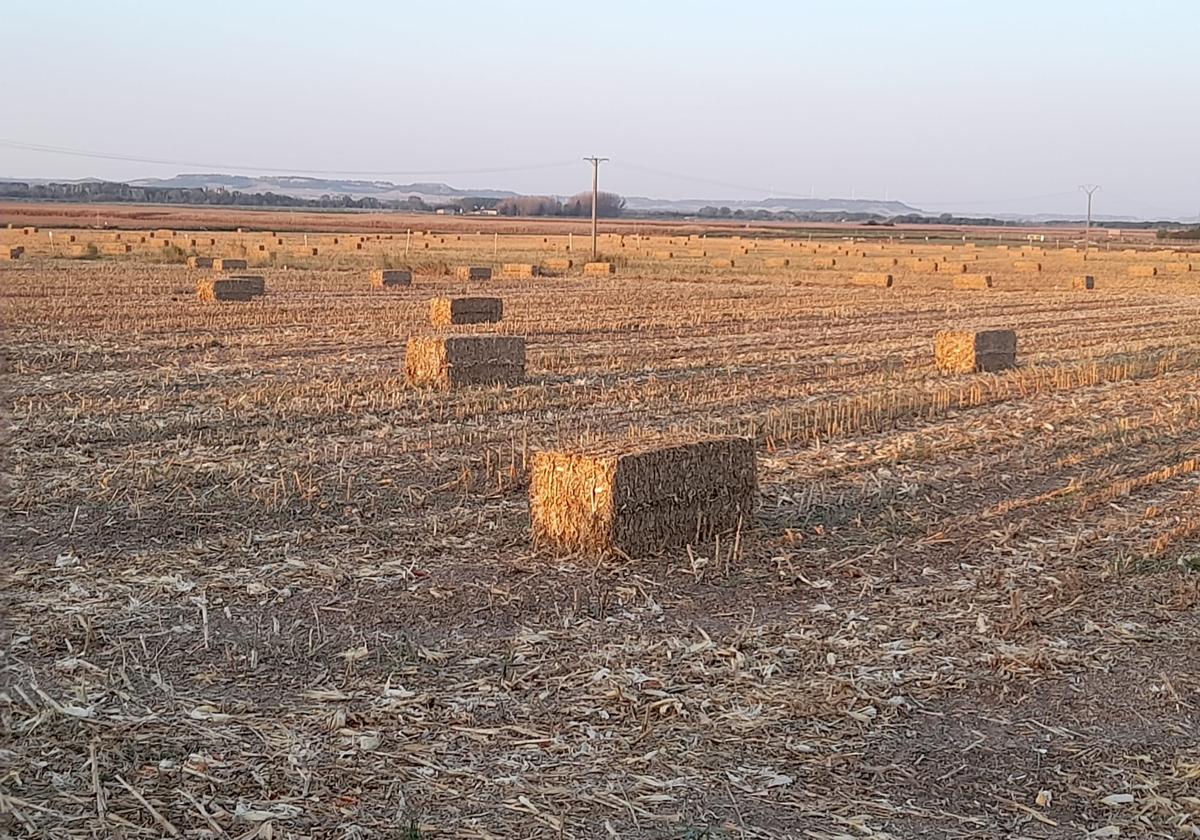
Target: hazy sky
961, 106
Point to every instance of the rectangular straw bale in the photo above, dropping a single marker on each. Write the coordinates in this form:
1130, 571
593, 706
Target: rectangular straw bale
516, 271
664, 255
118, 248
230, 288
972, 281
965, 351
1027, 265
825, 262
445, 312
778, 262
642, 499
7, 254
1085, 281
883, 281
599, 268
385, 278
473, 272
461, 360
1143, 271
558, 265
200, 262
227, 264
1177, 268
922, 266
721, 263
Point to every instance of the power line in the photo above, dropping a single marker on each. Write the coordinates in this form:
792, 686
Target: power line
229, 167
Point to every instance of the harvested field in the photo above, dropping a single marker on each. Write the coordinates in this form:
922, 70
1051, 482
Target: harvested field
258, 586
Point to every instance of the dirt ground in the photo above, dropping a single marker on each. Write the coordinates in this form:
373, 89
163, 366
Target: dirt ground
258, 587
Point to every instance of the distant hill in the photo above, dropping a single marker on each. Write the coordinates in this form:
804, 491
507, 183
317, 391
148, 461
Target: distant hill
300, 187
775, 205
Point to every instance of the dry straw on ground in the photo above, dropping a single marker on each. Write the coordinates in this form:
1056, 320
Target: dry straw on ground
230, 288
964, 351
445, 312
462, 360
642, 499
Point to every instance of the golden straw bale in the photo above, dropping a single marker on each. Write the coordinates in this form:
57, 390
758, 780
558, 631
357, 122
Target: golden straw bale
881, 280
517, 271
599, 268
386, 278
230, 288
1143, 271
200, 262
227, 264
462, 360
1084, 281
972, 281
965, 351
473, 272
445, 312
642, 499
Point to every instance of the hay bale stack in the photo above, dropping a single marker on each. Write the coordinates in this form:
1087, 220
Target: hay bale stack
1178, 268
880, 280
778, 262
559, 265
964, 351
1083, 282
461, 360
599, 268
445, 312
199, 262
1143, 271
473, 272
519, 271
386, 278
644, 499
973, 281
1027, 265
230, 288
226, 264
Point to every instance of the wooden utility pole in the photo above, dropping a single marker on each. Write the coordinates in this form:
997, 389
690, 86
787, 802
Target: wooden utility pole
595, 161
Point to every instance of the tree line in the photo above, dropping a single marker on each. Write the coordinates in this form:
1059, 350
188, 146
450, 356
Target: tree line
608, 205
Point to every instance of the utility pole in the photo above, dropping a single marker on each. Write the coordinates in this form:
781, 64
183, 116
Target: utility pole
595, 161
1087, 231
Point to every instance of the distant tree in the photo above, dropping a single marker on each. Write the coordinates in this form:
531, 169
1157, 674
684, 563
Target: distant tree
529, 205
608, 205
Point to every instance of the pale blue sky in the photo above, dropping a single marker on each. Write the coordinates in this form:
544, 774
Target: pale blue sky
971, 107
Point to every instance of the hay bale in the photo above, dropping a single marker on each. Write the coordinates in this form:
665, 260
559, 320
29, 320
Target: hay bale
721, 263
473, 272
778, 262
879, 279
386, 278
241, 288
199, 262
226, 264
922, 266
664, 255
1027, 265
1085, 281
462, 360
1143, 271
518, 270
972, 281
643, 499
118, 248
1177, 268
557, 265
8, 254
599, 268
965, 351
445, 312
825, 262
